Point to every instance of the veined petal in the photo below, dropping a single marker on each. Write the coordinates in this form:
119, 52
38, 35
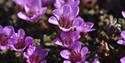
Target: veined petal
66, 10
58, 13
75, 12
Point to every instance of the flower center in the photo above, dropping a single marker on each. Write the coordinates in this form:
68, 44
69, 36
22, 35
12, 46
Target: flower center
65, 22
35, 58
3, 39
20, 44
75, 56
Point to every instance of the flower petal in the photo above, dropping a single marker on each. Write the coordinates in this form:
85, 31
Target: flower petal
28, 40
66, 61
21, 33
121, 42
23, 16
88, 27
66, 10
53, 20
78, 23
84, 51
59, 3
57, 42
77, 46
123, 34
58, 13
65, 54
1, 28
8, 30
123, 14
75, 12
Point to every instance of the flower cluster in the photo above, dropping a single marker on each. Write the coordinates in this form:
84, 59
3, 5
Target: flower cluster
65, 16
19, 42
71, 25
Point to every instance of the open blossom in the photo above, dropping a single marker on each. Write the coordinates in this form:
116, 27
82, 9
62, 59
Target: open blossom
60, 3
67, 39
122, 41
65, 17
35, 54
122, 60
76, 55
5, 35
32, 10
20, 41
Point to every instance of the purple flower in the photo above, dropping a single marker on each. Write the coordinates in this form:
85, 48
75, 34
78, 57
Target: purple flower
96, 60
5, 35
20, 41
83, 26
33, 10
60, 3
35, 54
65, 17
76, 55
122, 41
122, 60
67, 39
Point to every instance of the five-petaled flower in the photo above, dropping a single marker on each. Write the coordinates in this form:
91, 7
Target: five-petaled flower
67, 39
65, 17
33, 10
76, 55
35, 54
5, 35
20, 41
